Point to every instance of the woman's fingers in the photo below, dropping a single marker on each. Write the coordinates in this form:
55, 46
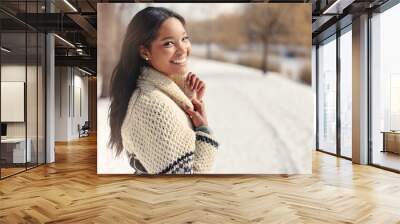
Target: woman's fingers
194, 115
192, 81
188, 110
196, 84
198, 106
196, 102
200, 84
201, 90
187, 81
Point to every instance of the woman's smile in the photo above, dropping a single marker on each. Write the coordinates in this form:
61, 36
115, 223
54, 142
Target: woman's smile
180, 61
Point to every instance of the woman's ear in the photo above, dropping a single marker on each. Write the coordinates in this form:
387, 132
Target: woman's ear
144, 53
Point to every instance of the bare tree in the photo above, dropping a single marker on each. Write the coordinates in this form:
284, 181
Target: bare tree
230, 32
265, 23
112, 22
225, 30
203, 32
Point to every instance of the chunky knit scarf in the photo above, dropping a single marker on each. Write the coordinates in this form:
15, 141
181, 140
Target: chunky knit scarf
160, 133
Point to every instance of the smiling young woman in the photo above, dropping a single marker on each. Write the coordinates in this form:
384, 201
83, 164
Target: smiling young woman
157, 115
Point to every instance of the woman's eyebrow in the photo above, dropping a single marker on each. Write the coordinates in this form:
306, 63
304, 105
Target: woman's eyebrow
169, 37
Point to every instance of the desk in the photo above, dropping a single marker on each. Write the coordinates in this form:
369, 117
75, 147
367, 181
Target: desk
13, 150
391, 141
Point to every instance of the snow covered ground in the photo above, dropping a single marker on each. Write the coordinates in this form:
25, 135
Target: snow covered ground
264, 124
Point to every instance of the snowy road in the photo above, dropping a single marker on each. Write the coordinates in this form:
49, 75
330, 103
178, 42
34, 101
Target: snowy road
264, 124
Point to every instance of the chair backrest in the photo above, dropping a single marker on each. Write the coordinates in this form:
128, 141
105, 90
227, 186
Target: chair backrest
86, 125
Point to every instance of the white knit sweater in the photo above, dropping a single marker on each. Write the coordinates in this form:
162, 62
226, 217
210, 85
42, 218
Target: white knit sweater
160, 133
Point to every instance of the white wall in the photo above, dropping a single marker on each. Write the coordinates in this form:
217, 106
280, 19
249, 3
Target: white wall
71, 93
62, 81
16, 73
80, 94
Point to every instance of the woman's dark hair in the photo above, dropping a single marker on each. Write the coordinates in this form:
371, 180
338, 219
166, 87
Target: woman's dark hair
142, 30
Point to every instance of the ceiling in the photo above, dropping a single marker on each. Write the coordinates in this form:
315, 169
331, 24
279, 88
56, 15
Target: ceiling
76, 22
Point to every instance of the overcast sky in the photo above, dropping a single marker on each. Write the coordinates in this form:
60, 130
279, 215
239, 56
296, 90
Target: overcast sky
201, 11
190, 11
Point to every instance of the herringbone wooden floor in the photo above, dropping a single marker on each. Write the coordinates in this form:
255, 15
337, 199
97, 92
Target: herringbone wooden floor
70, 191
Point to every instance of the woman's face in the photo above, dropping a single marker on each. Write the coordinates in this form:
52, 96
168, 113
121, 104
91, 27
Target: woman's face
169, 52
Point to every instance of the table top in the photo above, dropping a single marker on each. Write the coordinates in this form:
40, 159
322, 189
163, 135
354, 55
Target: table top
390, 132
13, 140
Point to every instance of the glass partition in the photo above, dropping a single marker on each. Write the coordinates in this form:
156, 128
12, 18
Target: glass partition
13, 95
41, 96
31, 98
327, 95
22, 88
385, 89
33, 72
346, 93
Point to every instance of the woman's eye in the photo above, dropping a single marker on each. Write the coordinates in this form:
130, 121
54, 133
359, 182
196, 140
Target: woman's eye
186, 38
168, 44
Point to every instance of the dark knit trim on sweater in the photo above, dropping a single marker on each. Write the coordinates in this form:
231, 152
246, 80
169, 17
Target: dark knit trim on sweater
207, 140
176, 162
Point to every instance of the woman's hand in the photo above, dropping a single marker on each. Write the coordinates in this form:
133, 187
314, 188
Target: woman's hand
198, 114
197, 86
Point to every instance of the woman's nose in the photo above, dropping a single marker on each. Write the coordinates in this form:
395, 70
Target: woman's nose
181, 47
